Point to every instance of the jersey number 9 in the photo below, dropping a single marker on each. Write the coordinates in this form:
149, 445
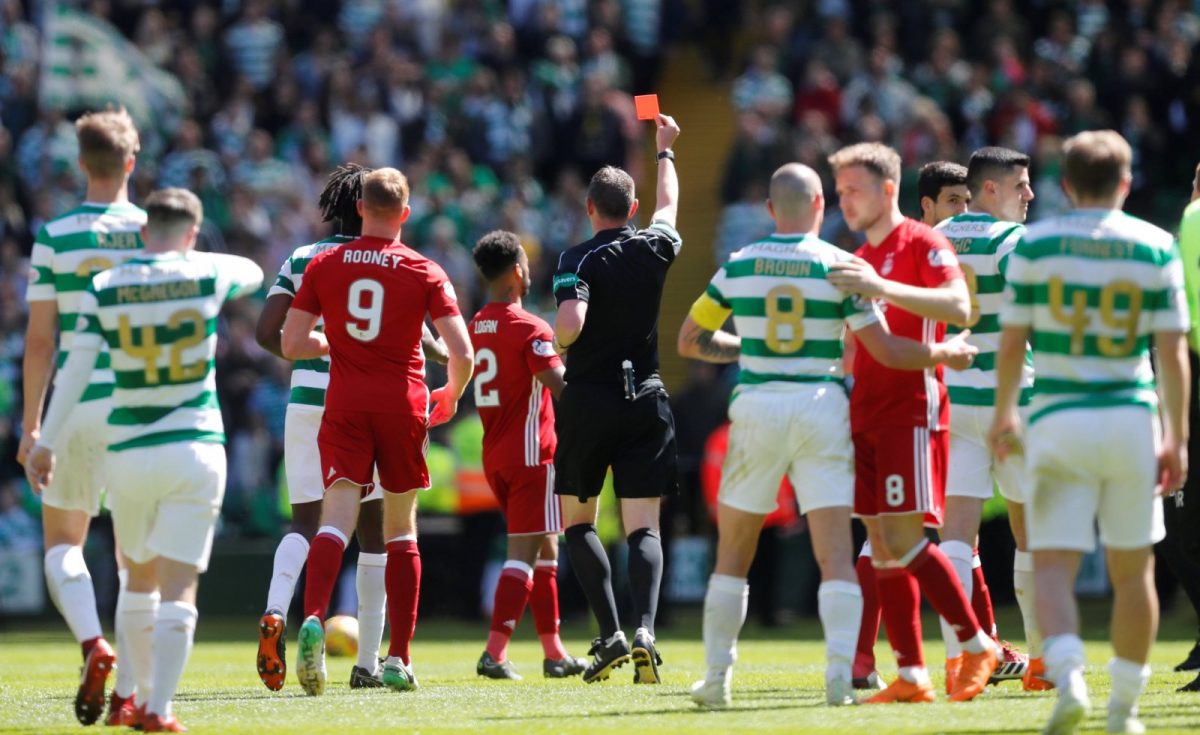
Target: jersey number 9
366, 305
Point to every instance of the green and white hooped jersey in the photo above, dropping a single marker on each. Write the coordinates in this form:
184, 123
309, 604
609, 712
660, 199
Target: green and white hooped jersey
68, 251
983, 244
790, 318
310, 378
158, 316
1094, 286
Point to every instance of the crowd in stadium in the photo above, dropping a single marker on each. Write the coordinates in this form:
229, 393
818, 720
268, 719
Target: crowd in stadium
498, 113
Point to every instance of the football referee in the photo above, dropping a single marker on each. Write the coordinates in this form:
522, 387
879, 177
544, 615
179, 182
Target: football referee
614, 412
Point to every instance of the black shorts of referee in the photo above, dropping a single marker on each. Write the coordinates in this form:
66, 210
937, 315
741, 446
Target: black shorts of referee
599, 428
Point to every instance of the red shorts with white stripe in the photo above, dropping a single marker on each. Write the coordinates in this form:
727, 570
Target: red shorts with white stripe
354, 444
527, 496
901, 471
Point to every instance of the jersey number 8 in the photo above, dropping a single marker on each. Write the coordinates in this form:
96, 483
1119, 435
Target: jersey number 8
366, 304
785, 327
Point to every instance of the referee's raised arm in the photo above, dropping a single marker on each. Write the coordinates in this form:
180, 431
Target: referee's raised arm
666, 194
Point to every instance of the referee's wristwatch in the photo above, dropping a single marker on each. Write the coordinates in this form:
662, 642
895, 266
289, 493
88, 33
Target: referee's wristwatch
667, 154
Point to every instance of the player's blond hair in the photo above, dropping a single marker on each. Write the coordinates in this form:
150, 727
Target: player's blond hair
168, 211
107, 141
385, 192
1095, 162
879, 159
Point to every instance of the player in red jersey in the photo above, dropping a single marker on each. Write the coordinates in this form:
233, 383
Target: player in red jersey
517, 370
374, 293
899, 421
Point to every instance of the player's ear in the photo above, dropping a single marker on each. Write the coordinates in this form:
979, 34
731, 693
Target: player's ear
144, 230
358, 207
591, 207
926, 205
404, 215
632, 210
771, 208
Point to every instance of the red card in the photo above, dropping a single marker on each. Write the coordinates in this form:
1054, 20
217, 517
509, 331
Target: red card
647, 106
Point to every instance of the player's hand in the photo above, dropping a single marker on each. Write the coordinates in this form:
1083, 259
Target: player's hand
1005, 435
39, 468
1172, 468
444, 407
959, 354
857, 276
668, 131
27, 441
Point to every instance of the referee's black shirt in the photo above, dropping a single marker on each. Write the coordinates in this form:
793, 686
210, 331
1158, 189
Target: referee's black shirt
620, 274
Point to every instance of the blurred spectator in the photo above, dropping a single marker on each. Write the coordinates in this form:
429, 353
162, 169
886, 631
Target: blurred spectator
253, 43
762, 88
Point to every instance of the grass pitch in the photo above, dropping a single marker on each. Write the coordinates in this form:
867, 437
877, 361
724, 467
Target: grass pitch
777, 688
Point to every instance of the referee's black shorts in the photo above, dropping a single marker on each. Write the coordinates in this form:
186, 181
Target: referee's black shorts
599, 428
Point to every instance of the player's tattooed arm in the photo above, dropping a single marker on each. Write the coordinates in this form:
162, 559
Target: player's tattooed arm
699, 343
434, 347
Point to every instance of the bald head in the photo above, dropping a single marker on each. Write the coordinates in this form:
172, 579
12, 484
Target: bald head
796, 197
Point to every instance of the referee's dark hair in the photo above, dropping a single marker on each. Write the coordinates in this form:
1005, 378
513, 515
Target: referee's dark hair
496, 253
611, 192
339, 199
937, 175
991, 163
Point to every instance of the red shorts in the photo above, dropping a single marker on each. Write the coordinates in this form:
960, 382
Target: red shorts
527, 496
355, 443
900, 471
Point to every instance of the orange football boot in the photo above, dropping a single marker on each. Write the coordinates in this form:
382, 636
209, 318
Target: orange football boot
953, 666
1035, 677
976, 669
903, 690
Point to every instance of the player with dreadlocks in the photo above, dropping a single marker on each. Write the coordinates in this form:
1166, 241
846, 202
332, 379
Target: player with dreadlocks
310, 378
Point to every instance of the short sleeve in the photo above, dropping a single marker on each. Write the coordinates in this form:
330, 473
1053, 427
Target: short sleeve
939, 263
41, 270
569, 281
539, 350
285, 281
664, 239
1017, 310
441, 301
237, 276
88, 333
859, 312
1006, 247
307, 299
1171, 314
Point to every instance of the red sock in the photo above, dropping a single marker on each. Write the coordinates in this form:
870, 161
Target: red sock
940, 584
512, 594
89, 644
981, 601
868, 631
402, 577
900, 601
324, 563
544, 602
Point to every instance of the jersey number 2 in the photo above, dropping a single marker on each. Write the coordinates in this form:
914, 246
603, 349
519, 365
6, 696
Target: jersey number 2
486, 367
366, 304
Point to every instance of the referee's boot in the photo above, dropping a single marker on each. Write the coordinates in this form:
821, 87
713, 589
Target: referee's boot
607, 655
1192, 662
645, 658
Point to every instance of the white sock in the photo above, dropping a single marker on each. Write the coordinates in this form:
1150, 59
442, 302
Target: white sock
372, 607
290, 556
914, 674
839, 605
1129, 680
1065, 659
174, 630
125, 680
1023, 587
961, 556
725, 606
71, 589
135, 627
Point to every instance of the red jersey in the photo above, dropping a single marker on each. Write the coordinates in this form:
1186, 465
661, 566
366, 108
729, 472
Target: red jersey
917, 255
373, 294
511, 347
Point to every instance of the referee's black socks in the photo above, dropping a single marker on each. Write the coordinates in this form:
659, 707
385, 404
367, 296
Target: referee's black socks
590, 562
645, 574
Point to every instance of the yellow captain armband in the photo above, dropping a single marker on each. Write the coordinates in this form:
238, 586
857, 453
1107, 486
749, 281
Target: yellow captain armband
708, 313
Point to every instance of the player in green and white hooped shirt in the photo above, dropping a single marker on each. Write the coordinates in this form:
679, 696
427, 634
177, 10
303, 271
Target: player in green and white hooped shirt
69, 249
157, 314
983, 237
791, 415
1090, 291
302, 466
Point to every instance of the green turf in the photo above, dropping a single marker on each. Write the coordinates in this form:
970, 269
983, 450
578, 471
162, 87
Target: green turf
777, 688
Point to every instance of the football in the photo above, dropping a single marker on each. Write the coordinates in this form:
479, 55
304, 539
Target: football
341, 636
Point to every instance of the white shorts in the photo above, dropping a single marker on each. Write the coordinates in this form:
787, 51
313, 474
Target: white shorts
79, 459
1090, 465
972, 470
302, 461
802, 431
165, 500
